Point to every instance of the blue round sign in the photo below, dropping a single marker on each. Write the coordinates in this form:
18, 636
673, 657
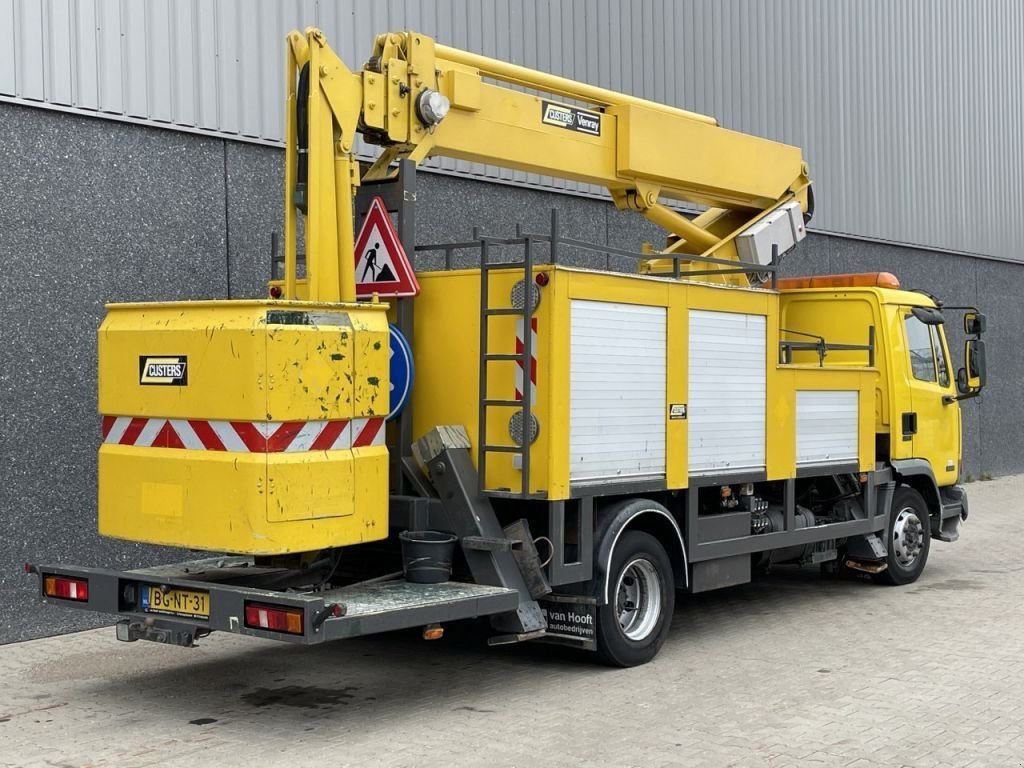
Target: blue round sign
401, 372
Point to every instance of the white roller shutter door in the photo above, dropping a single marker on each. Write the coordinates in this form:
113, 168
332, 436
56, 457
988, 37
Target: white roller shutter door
826, 427
617, 392
726, 408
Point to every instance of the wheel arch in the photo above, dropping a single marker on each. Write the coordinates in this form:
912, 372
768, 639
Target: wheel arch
635, 514
917, 474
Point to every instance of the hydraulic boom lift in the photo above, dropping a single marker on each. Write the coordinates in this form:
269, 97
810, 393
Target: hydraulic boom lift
418, 99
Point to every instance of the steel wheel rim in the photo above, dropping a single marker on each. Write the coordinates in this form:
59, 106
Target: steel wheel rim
907, 537
638, 599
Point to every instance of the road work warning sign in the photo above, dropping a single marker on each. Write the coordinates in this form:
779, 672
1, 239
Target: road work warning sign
382, 266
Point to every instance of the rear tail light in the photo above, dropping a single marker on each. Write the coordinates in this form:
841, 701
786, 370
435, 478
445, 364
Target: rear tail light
66, 588
274, 618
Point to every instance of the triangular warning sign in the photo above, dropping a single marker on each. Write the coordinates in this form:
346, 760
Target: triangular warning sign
381, 264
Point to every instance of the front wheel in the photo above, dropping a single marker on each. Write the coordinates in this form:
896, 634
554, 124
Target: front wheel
633, 626
909, 538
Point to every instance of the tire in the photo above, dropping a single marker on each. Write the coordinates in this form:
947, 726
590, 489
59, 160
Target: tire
640, 575
908, 539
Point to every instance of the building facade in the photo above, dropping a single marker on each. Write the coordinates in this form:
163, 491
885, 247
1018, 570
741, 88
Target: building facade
142, 156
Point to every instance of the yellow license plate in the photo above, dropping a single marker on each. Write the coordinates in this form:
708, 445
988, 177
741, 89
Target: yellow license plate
176, 602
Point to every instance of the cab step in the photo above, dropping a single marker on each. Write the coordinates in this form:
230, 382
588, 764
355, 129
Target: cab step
865, 566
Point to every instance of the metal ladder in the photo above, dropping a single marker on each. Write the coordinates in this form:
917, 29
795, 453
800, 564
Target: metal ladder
522, 358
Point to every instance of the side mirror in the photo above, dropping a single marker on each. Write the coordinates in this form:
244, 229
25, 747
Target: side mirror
974, 323
971, 377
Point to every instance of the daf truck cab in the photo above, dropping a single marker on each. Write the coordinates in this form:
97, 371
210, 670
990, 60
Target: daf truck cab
918, 424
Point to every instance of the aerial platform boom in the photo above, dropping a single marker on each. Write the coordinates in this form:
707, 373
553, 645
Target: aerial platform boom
417, 99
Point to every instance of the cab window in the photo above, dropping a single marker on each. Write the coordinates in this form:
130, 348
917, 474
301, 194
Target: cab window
919, 343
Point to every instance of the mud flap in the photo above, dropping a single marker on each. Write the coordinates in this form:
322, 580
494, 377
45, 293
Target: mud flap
572, 621
866, 548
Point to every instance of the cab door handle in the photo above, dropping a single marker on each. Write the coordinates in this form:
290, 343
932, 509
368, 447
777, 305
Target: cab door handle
909, 424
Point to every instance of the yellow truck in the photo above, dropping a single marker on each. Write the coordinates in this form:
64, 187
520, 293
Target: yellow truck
577, 443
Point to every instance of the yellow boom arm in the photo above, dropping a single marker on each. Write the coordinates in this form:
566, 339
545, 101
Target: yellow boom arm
418, 99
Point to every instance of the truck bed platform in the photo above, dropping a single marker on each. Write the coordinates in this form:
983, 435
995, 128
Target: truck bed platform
203, 596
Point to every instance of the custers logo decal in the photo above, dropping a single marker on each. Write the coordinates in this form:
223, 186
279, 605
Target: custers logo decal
166, 370
571, 118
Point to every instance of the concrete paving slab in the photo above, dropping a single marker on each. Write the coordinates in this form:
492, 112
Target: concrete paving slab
793, 669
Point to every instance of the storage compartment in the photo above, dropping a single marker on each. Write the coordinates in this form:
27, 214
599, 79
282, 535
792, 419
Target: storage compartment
772, 236
728, 392
641, 382
254, 427
721, 572
617, 381
827, 427
722, 526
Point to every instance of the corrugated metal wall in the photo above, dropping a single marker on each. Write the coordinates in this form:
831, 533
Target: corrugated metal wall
911, 113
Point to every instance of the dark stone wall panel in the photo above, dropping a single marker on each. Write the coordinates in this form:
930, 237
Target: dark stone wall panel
448, 208
1001, 423
100, 211
255, 209
94, 211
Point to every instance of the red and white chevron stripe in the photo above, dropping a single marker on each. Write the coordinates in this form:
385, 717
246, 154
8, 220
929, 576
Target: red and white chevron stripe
520, 345
243, 436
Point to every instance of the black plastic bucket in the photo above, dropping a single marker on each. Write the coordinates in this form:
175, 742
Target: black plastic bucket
427, 556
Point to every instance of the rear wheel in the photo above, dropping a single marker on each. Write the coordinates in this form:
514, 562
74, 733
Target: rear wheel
633, 626
909, 538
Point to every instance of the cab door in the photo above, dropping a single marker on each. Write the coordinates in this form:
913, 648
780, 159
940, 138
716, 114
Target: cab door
933, 422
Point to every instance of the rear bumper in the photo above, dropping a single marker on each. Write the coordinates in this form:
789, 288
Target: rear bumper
327, 615
955, 495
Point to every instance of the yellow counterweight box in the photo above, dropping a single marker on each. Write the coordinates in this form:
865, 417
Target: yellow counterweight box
251, 427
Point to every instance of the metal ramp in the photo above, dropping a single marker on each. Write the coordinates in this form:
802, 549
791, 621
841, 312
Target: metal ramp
368, 607
333, 614
399, 604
